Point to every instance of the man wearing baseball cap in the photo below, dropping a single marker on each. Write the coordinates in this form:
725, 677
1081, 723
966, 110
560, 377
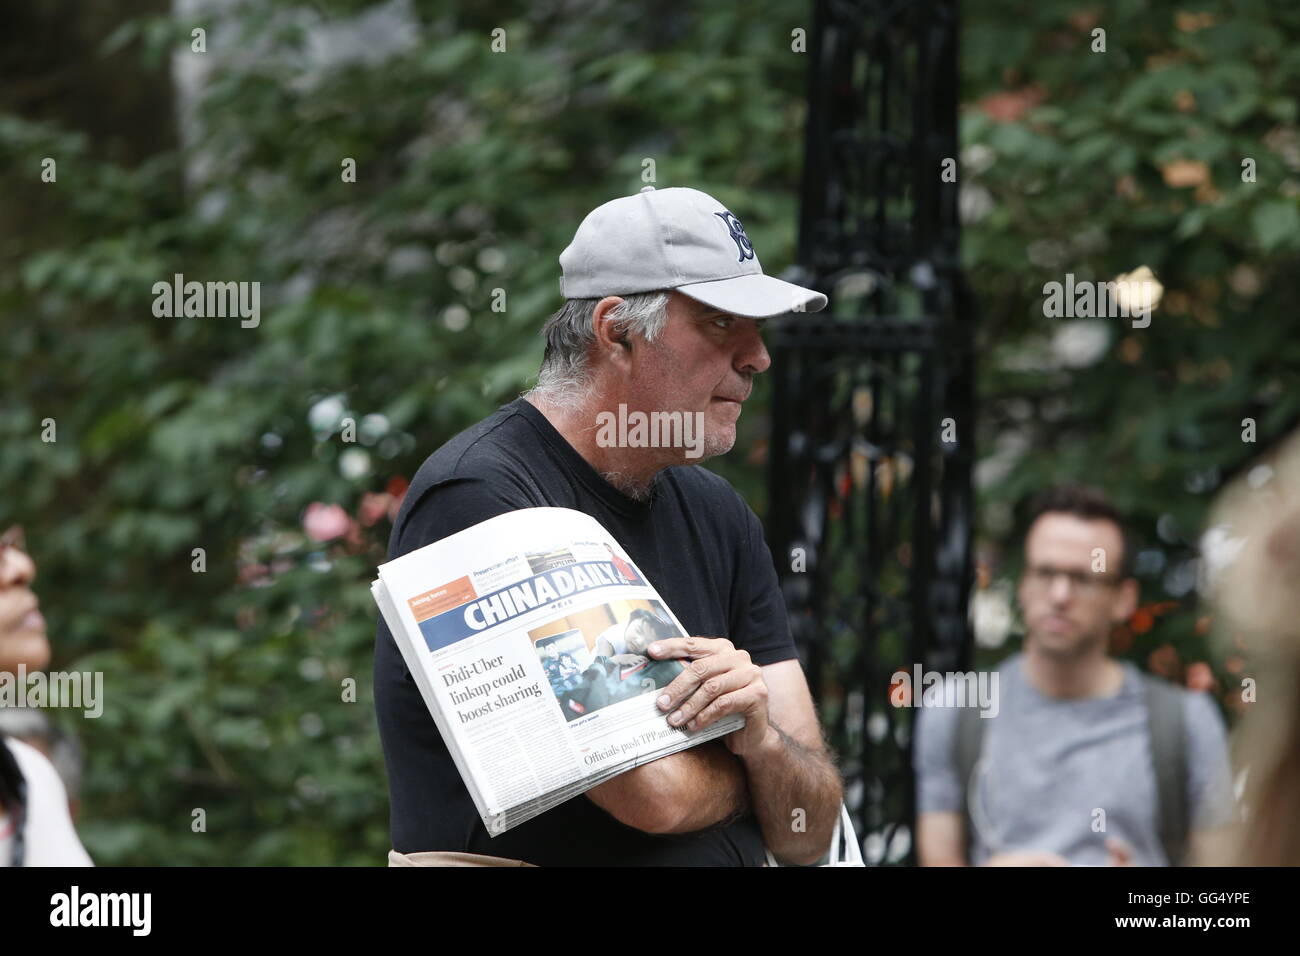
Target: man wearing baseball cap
664, 303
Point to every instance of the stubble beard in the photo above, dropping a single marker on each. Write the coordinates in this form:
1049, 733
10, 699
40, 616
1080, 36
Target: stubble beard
717, 440
1076, 647
638, 489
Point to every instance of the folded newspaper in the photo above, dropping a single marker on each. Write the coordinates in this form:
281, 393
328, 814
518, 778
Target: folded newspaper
527, 636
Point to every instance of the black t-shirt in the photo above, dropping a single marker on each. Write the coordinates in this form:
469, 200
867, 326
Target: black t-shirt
700, 546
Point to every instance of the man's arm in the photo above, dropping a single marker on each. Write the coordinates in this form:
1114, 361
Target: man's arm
789, 781
1211, 846
940, 820
940, 839
1211, 799
795, 788
687, 791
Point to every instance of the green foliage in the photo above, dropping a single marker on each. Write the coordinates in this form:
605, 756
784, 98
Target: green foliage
224, 688
1091, 167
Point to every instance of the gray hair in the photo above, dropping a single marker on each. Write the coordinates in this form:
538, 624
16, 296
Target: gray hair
565, 373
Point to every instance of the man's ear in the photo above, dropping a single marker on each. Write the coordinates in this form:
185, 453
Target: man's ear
1126, 600
612, 338
604, 326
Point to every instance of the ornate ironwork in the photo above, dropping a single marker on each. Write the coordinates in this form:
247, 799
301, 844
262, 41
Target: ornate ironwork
870, 473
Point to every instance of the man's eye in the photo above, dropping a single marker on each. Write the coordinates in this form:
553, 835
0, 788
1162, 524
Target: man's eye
726, 322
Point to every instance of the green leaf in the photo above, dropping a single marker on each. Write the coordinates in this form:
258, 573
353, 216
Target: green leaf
1276, 222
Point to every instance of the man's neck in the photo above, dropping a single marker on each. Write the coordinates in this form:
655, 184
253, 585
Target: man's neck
633, 471
1070, 677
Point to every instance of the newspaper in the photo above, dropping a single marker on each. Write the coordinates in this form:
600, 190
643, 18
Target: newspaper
527, 637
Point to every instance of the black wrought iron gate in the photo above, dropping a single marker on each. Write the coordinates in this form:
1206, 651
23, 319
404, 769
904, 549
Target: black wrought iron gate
870, 508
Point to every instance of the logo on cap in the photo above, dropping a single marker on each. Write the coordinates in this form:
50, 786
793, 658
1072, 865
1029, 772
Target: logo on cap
738, 233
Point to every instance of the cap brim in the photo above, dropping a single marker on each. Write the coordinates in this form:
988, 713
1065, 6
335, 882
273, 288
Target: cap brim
756, 296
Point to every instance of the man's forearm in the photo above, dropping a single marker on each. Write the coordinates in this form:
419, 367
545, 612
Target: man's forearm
684, 792
785, 777
709, 787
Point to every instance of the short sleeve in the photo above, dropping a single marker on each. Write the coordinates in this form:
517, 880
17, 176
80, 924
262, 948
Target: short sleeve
1209, 772
938, 788
759, 623
450, 506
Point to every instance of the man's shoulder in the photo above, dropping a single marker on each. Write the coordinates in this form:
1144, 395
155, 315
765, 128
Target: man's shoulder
477, 464
474, 452
1200, 712
1195, 703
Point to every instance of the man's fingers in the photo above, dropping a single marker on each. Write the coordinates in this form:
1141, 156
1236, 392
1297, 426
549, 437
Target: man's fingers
721, 676
714, 682
696, 672
669, 648
737, 702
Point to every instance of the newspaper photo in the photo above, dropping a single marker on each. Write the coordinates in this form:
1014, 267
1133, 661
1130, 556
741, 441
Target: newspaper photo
527, 635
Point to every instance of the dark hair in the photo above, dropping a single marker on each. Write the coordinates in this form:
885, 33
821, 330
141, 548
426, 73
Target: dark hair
661, 628
13, 798
1086, 503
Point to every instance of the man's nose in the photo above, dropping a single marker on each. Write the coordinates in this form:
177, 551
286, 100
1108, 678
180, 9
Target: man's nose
16, 568
752, 357
1061, 590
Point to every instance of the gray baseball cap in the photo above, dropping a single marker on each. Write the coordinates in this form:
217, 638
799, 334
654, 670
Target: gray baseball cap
676, 238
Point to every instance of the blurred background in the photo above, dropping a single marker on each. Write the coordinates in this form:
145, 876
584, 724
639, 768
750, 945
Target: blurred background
403, 303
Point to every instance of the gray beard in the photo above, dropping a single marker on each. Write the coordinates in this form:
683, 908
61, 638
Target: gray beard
636, 490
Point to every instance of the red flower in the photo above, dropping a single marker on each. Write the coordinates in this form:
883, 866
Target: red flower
373, 507
1007, 106
396, 491
325, 522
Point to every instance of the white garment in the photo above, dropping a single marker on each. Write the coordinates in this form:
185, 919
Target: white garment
615, 637
50, 837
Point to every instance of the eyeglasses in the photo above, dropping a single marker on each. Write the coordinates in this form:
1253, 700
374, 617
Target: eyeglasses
1040, 577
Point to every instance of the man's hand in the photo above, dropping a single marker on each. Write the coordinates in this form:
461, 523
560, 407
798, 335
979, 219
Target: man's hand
1118, 853
718, 679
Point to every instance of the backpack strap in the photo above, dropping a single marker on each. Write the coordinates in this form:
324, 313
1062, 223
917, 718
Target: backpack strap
1166, 723
969, 740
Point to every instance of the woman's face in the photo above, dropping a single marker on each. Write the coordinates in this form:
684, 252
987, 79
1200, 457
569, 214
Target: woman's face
22, 626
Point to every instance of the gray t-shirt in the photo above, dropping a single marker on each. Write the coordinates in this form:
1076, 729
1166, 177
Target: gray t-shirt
1047, 766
